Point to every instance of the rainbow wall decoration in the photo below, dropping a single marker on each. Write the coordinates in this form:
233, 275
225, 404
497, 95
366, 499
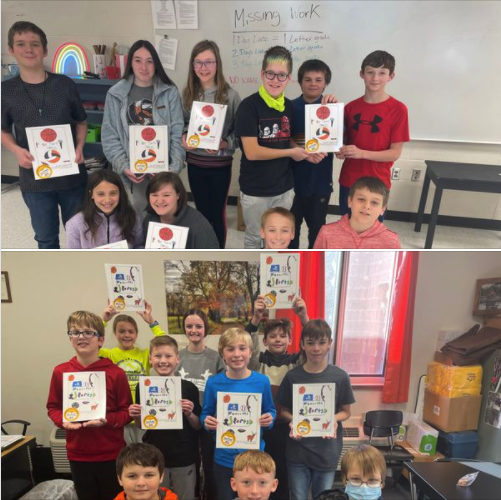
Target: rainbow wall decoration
70, 59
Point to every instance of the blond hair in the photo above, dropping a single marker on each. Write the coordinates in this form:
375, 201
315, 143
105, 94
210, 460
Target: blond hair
231, 336
278, 211
368, 459
86, 318
258, 461
162, 340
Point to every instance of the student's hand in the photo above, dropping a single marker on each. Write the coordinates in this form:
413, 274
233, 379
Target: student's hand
335, 432
185, 144
351, 152
79, 156
259, 308
297, 437
24, 158
298, 154
187, 407
329, 99
146, 314
316, 157
134, 410
109, 312
211, 423
339, 155
99, 422
265, 420
299, 306
70, 426
132, 176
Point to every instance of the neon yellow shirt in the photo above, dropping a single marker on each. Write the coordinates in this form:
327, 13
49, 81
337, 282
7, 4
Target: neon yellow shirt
134, 362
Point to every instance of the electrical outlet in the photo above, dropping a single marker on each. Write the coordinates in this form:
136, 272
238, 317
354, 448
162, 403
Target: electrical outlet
395, 173
416, 174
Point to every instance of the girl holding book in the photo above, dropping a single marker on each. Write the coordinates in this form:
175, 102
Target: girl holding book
209, 171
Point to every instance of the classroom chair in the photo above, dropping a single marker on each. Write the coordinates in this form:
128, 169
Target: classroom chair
24, 423
385, 424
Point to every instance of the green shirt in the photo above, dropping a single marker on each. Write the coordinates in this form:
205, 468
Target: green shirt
134, 362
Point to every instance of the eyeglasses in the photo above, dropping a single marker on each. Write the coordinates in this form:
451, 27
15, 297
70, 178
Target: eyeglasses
281, 77
371, 483
201, 64
87, 334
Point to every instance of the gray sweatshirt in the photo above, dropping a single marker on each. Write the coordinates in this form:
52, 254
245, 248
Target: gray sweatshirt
229, 121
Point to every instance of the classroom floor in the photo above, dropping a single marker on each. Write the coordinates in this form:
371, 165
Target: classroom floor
17, 231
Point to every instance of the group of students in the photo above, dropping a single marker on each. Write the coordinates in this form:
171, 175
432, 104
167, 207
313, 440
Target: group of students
140, 471
238, 366
275, 171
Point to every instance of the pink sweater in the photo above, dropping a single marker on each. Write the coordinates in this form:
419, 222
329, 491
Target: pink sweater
340, 235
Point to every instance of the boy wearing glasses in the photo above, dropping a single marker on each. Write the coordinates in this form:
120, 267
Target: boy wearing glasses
363, 471
263, 127
92, 446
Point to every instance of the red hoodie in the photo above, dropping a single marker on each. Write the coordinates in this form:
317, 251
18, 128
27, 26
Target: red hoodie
94, 444
163, 494
340, 235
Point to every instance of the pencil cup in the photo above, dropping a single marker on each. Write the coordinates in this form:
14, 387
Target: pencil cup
100, 65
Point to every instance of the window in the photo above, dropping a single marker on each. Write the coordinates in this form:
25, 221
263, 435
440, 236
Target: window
359, 293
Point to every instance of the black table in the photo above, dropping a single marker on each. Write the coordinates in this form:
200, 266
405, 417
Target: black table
437, 480
456, 176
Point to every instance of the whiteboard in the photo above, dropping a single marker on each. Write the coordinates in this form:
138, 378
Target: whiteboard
448, 54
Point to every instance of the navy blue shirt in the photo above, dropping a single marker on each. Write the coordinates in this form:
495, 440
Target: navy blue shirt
309, 178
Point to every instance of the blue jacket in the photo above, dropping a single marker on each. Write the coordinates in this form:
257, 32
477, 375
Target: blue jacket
167, 110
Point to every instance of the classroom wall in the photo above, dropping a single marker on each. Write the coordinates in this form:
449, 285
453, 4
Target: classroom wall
87, 23
47, 286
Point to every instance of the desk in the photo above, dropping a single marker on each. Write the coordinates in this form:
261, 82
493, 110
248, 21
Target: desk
438, 481
456, 176
418, 457
17, 476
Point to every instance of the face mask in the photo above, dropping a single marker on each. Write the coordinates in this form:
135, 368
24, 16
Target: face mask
362, 492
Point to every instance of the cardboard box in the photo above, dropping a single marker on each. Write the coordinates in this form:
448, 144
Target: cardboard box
451, 414
422, 437
440, 357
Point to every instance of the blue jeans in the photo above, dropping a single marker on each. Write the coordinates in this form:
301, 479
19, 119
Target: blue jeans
301, 477
222, 477
44, 212
343, 203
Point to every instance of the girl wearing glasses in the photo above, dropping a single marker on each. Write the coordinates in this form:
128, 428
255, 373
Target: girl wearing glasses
144, 96
209, 171
363, 471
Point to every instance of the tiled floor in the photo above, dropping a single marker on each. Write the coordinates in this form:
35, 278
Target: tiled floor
17, 231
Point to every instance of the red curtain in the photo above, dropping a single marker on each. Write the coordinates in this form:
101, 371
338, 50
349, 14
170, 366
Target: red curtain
312, 284
398, 363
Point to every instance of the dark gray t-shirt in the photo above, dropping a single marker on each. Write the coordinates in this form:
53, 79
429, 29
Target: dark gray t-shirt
140, 107
317, 453
60, 104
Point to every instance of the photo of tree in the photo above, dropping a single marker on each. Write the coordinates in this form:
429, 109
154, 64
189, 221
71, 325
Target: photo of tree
224, 290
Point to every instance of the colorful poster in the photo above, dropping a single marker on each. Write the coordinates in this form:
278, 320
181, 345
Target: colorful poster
166, 236
313, 409
125, 286
279, 279
238, 416
84, 396
148, 149
323, 127
206, 125
160, 403
114, 246
53, 150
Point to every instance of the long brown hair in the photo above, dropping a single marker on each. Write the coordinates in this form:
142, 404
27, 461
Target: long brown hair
126, 216
159, 69
193, 90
